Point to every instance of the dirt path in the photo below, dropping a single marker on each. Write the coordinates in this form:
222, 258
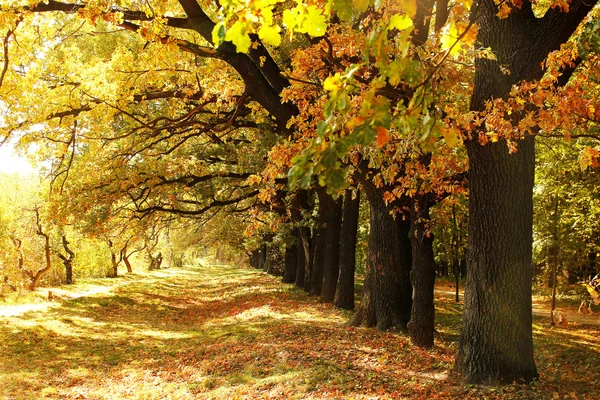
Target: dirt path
540, 309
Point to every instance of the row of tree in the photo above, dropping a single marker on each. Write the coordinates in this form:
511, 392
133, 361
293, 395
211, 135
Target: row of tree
267, 110
35, 249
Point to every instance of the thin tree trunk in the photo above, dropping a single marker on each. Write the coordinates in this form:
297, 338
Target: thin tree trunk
421, 325
555, 250
320, 240
303, 256
455, 246
67, 260
344, 295
38, 275
332, 251
127, 263
300, 204
291, 262
265, 257
113, 260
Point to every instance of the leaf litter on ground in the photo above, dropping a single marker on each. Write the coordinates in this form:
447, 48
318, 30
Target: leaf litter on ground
223, 332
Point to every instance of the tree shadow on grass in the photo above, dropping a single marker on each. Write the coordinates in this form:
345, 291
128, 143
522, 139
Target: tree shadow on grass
249, 341
218, 333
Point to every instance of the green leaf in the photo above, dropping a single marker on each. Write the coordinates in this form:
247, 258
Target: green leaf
361, 5
343, 9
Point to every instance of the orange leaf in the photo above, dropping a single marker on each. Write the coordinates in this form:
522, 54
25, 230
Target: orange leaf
382, 136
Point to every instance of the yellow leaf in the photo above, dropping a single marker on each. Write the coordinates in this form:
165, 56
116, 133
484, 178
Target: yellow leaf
409, 7
588, 158
400, 22
238, 35
332, 83
449, 36
270, 35
315, 23
354, 122
450, 137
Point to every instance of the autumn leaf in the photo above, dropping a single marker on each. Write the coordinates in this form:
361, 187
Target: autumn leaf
400, 22
332, 83
382, 136
563, 5
450, 136
270, 34
238, 34
589, 157
409, 7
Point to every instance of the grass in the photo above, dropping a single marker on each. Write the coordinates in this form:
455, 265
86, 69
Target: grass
225, 332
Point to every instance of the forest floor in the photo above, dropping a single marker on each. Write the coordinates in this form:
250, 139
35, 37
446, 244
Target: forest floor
542, 304
222, 332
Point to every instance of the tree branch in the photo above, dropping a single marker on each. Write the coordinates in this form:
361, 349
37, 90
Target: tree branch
200, 211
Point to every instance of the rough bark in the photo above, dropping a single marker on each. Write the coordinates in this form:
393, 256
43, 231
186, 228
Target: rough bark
344, 295
387, 291
291, 262
422, 275
332, 251
496, 339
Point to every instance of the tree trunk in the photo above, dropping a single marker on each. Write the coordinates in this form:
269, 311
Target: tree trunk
320, 240
127, 263
455, 248
332, 251
555, 251
68, 272
422, 275
496, 339
311, 259
300, 204
291, 262
255, 258
38, 275
265, 258
303, 256
344, 295
262, 257
67, 260
387, 291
